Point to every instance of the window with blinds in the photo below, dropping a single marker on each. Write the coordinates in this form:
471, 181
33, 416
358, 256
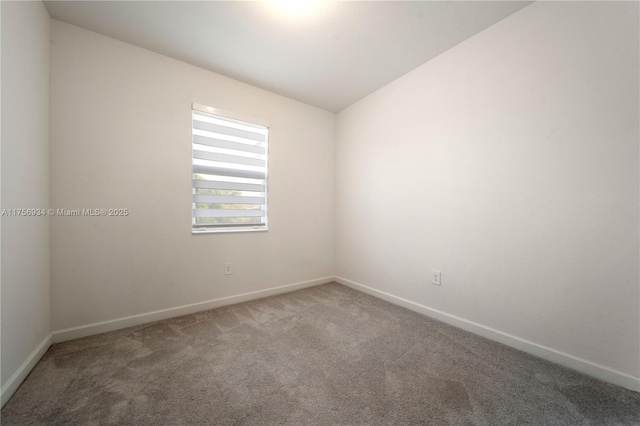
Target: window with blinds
229, 172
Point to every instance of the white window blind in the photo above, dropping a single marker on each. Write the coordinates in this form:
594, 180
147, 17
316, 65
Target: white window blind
229, 173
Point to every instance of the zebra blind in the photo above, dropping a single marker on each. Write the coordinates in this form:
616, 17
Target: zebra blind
229, 173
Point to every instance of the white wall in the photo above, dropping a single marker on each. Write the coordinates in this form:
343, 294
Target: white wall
25, 184
510, 163
121, 138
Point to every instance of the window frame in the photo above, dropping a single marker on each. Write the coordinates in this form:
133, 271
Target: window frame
227, 228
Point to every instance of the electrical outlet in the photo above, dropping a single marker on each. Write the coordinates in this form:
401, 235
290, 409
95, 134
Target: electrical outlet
437, 278
227, 268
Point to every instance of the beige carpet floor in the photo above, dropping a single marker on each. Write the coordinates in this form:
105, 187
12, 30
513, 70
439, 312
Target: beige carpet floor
326, 355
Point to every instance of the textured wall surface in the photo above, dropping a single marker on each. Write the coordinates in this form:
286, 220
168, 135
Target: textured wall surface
121, 138
509, 163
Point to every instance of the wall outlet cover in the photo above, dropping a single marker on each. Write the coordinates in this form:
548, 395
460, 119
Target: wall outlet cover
437, 278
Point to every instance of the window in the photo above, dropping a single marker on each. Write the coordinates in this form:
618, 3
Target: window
229, 172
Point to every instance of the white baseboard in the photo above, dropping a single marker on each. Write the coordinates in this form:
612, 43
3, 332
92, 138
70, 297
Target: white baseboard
119, 323
587, 367
582, 365
23, 371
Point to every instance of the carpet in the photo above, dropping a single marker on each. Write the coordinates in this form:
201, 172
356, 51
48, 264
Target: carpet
326, 355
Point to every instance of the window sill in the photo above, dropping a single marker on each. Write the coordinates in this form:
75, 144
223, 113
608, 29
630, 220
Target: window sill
227, 230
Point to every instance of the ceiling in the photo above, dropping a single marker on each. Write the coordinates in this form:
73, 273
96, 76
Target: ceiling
330, 58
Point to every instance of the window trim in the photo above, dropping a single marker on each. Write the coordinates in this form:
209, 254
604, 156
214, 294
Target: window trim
231, 115
227, 228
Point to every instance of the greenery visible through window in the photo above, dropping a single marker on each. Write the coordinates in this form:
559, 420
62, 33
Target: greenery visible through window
208, 191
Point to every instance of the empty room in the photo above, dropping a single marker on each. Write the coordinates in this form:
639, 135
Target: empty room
320, 212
